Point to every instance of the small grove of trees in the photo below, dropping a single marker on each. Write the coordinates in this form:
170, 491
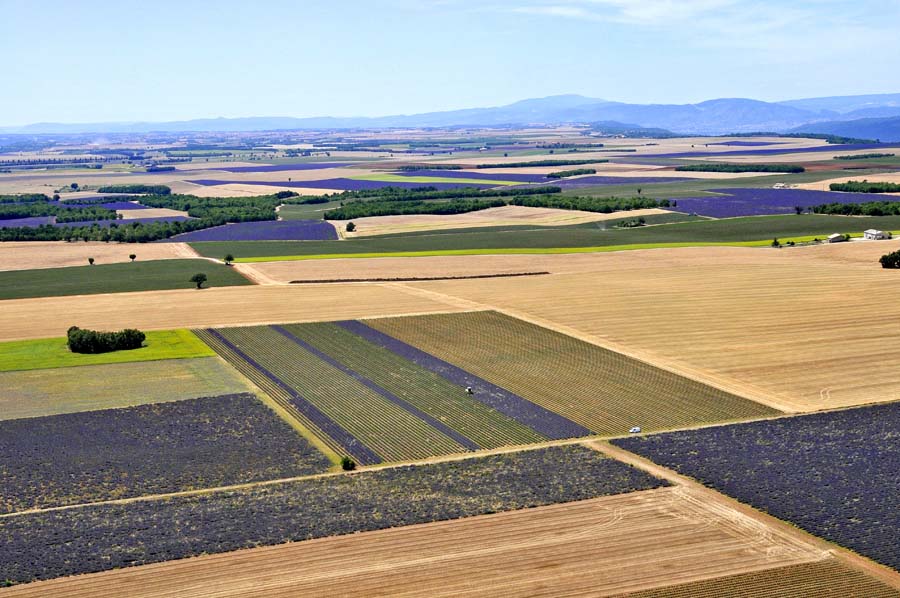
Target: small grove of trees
561, 174
347, 463
91, 341
890, 260
782, 168
351, 227
865, 187
198, 279
149, 189
361, 209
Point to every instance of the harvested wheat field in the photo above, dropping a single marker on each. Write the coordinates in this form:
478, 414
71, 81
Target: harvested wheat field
239, 190
149, 213
30, 255
800, 329
887, 177
419, 267
504, 216
222, 306
596, 547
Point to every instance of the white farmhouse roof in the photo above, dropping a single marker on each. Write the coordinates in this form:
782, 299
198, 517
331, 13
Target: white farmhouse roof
873, 231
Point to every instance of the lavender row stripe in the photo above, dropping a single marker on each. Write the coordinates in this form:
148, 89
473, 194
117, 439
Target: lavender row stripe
431, 421
365, 455
550, 424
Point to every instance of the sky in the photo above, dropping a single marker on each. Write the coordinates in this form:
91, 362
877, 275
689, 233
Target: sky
107, 61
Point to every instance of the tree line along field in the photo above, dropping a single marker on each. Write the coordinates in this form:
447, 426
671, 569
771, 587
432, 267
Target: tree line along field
395, 389
731, 230
115, 278
833, 474
105, 536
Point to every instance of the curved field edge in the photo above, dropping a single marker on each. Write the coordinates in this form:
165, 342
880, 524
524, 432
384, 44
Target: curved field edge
54, 353
105, 536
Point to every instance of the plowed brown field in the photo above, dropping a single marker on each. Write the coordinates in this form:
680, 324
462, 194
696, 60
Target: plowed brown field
597, 547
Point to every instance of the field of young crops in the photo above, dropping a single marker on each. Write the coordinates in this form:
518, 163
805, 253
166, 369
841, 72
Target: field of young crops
114, 278
602, 390
150, 449
103, 537
35, 393
833, 474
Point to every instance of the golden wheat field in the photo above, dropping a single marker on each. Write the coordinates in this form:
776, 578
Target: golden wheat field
595, 547
28, 255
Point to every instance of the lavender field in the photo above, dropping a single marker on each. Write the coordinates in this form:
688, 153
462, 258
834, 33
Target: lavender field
833, 474
288, 230
761, 202
339, 184
27, 222
150, 449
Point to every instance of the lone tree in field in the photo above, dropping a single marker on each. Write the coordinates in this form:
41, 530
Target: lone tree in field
199, 278
347, 464
132, 257
798, 209
351, 227
776, 243
91, 261
228, 259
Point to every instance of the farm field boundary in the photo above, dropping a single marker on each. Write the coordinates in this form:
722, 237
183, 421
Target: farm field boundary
418, 279
54, 352
597, 547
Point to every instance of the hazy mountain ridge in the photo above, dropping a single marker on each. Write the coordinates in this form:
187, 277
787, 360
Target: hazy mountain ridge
726, 115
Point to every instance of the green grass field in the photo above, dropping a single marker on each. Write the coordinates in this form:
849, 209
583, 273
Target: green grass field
600, 389
754, 230
114, 278
36, 393
53, 352
311, 211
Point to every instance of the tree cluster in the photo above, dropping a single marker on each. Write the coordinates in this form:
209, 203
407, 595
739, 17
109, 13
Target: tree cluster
715, 167
863, 156
869, 208
604, 205
865, 187
541, 163
148, 189
91, 341
361, 209
561, 174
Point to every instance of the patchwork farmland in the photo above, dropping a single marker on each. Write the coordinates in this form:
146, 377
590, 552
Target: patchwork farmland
384, 434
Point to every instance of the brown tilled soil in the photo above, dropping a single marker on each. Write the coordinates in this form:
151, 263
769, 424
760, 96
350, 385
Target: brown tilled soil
597, 547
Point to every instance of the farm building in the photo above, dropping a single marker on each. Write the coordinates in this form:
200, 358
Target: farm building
836, 238
876, 235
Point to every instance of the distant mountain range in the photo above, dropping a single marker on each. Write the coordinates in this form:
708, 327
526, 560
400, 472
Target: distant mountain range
869, 116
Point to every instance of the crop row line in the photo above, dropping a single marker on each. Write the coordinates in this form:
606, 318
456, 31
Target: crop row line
356, 447
546, 422
440, 426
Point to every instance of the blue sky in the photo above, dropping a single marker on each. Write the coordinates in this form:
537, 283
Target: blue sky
88, 61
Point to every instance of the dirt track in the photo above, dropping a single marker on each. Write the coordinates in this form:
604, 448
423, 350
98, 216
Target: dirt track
595, 547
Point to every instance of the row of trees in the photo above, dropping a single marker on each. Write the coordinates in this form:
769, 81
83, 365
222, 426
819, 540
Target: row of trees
561, 174
148, 189
869, 208
361, 209
865, 187
604, 205
62, 213
863, 156
24, 198
716, 167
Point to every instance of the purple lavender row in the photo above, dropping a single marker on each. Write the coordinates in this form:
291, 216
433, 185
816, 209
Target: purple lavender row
431, 421
269, 230
339, 184
759, 202
546, 422
364, 454
32, 222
